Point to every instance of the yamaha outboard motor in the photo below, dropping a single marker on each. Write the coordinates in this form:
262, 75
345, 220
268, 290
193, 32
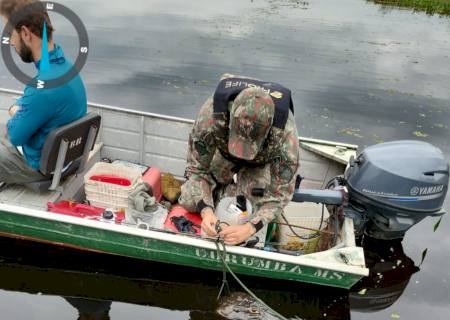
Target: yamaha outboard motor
392, 186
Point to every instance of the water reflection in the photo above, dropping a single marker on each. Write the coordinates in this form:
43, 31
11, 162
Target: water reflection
35, 268
91, 283
390, 272
89, 309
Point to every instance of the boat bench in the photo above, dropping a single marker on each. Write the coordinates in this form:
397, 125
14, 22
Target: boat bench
72, 188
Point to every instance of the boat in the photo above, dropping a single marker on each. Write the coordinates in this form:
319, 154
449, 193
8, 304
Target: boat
161, 141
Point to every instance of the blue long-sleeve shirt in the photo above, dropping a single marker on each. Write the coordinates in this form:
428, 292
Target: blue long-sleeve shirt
42, 110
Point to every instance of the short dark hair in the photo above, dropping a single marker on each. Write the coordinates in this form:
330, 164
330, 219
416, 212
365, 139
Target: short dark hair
32, 20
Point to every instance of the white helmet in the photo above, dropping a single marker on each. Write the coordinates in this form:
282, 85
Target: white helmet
234, 210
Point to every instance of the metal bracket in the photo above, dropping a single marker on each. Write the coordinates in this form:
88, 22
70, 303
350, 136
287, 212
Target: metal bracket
87, 148
63, 147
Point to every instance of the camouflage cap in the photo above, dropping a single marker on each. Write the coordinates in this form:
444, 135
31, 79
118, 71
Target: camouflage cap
251, 118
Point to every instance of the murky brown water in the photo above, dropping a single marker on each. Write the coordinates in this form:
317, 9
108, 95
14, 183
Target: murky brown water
359, 74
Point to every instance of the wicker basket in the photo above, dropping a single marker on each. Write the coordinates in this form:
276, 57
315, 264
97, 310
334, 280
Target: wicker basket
107, 195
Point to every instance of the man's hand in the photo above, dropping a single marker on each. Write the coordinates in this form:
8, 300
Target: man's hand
209, 222
233, 235
12, 110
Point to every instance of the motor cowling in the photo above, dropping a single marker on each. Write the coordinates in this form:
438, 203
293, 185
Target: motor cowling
394, 185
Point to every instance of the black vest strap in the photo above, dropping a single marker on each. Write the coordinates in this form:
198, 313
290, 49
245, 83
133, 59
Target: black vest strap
228, 90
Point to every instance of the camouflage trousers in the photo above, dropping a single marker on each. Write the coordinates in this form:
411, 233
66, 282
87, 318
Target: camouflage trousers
13, 167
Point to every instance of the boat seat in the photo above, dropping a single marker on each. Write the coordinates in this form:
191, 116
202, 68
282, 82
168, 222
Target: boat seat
70, 188
66, 151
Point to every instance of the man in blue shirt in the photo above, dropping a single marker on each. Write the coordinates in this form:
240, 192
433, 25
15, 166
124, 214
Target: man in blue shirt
38, 111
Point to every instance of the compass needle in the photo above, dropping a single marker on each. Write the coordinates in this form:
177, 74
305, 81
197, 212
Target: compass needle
45, 61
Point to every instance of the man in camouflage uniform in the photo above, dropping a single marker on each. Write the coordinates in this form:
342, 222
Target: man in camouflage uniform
242, 141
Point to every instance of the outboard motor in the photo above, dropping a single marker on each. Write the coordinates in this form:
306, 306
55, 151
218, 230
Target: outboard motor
392, 186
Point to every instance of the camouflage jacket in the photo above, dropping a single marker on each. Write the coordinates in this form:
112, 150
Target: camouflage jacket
210, 166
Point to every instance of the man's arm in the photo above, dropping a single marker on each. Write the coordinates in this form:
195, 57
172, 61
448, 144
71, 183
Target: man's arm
199, 183
31, 115
201, 151
11, 111
282, 181
196, 193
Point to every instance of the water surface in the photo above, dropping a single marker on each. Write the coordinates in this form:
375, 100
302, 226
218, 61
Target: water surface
359, 73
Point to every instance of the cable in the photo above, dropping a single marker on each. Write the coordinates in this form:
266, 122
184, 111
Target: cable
336, 229
295, 233
316, 248
321, 219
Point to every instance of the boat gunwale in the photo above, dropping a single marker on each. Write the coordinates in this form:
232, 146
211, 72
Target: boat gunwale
185, 240
183, 120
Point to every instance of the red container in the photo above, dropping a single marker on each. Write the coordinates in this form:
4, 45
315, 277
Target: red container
153, 177
74, 209
178, 211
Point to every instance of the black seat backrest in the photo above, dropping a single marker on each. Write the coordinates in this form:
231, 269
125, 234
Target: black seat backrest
76, 134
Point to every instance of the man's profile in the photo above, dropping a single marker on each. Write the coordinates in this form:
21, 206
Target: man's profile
40, 110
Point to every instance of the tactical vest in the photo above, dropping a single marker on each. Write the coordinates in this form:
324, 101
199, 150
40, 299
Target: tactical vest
227, 90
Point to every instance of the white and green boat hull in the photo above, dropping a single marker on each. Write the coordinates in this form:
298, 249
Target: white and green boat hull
174, 249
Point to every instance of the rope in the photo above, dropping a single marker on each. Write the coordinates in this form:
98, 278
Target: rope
222, 254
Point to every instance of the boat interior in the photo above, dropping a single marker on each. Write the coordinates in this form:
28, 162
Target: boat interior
150, 140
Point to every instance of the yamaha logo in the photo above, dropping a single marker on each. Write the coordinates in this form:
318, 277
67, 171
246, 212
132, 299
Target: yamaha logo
415, 191
425, 191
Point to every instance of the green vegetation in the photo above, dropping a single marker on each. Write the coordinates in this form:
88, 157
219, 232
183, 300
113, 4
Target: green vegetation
351, 132
420, 134
429, 6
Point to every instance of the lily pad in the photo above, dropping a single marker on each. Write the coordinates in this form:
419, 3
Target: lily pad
424, 254
420, 134
437, 224
395, 315
351, 132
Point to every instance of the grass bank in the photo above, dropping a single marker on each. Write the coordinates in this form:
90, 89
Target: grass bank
429, 6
